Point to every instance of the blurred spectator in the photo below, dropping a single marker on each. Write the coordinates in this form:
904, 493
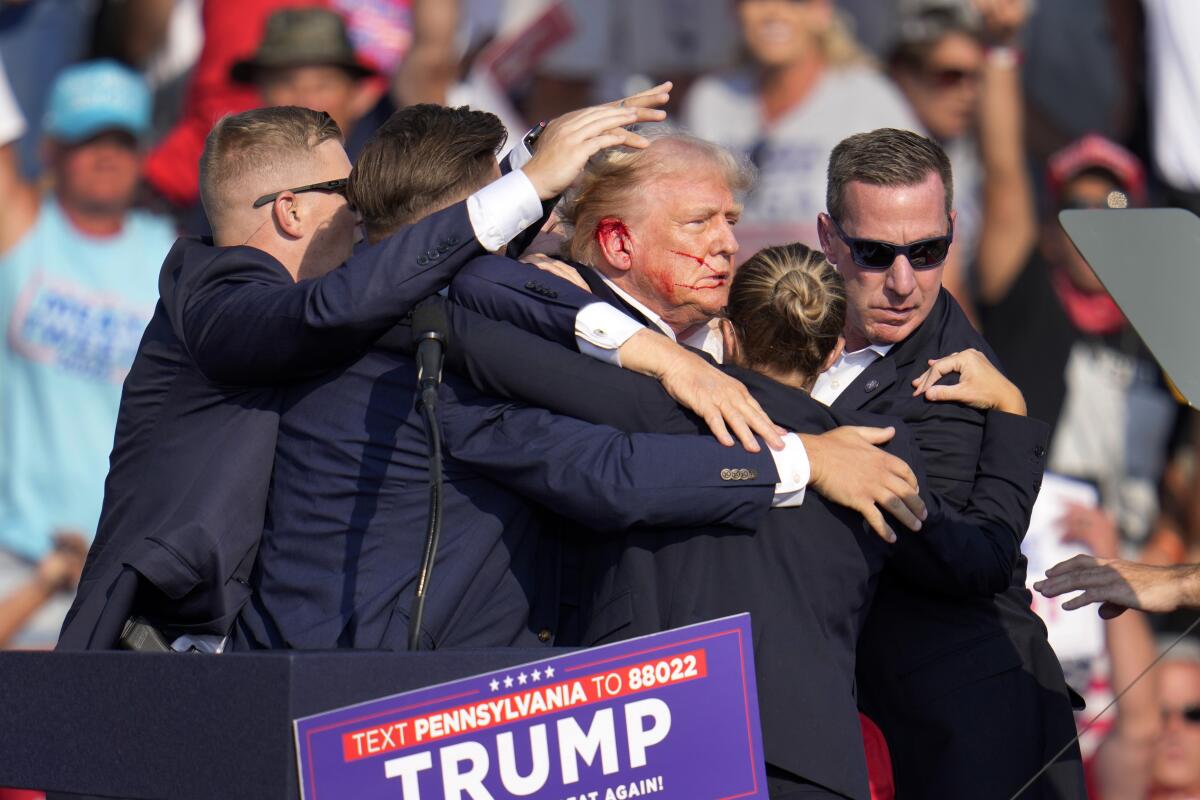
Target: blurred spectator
305, 59
1067, 346
37, 39
956, 63
1172, 27
1082, 72
617, 41
58, 571
1176, 768
78, 282
232, 31
805, 89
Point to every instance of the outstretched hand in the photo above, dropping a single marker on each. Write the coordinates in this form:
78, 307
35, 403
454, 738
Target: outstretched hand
570, 140
850, 469
1118, 585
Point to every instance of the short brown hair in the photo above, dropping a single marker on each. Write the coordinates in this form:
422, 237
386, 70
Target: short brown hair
422, 159
787, 305
260, 140
885, 157
614, 178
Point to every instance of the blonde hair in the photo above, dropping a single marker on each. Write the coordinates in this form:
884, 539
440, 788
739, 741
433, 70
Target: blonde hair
257, 142
787, 305
614, 179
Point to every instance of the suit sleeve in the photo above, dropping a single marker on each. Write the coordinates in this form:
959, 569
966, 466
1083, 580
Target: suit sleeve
247, 323
518, 157
973, 550
504, 361
531, 299
603, 477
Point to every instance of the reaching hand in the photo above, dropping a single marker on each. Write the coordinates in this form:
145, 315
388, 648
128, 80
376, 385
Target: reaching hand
570, 140
849, 469
980, 384
722, 402
1117, 585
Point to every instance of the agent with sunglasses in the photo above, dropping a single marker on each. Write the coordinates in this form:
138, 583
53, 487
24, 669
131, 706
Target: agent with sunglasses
275, 296
965, 687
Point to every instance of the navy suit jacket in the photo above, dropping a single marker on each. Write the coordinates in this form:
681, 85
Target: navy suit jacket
195, 438
349, 503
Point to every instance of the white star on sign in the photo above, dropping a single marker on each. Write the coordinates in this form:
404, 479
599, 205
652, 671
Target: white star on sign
508, 681
549, 672
521, 679
537, 676
494, 685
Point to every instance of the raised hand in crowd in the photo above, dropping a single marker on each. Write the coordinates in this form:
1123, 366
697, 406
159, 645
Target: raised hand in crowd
567, 143
980, 384
1118, 585
58, 571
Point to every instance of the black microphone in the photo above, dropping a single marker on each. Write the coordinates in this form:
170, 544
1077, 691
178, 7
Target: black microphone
430, 332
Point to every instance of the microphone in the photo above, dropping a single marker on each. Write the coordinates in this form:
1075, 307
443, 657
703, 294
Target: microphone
430, 332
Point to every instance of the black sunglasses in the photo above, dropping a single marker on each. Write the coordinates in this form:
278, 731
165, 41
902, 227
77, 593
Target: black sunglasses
874, 254
1190, 714
338, 185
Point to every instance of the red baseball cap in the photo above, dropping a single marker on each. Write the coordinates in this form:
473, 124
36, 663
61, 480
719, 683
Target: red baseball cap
1094, 151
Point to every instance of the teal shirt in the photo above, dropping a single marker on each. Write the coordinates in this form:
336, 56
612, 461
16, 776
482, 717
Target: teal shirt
72, 308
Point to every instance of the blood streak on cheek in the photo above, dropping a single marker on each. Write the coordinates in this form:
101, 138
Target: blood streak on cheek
701, 262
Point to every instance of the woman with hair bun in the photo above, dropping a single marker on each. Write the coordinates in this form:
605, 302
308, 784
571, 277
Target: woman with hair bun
807, 575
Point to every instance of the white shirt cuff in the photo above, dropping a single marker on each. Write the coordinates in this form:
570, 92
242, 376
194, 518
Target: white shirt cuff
12, 121
600, 330
501, 210
794, 472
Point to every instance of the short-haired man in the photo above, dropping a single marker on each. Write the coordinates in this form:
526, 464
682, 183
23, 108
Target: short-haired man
966, 689
351, 444
239, 315
78, 279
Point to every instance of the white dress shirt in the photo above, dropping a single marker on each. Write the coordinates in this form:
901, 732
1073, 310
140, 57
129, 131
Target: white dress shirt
845, 370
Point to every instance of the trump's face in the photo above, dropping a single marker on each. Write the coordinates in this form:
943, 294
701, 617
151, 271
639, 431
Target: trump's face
682, 246
886, 305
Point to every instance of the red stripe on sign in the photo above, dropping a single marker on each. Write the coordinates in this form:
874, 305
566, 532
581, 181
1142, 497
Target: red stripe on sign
505, 709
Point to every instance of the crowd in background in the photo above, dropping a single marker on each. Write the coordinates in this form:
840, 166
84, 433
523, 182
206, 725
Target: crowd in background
1041, 107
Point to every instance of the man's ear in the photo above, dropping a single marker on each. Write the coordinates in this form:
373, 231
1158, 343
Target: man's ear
825, 234
616, 245
288, 215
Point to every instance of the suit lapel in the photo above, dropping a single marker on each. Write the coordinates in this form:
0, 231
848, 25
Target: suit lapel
604, 292
877, 378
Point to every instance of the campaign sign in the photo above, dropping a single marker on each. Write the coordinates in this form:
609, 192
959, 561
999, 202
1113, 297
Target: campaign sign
672, 715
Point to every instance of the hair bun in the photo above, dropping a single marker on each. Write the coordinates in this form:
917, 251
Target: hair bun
801, 299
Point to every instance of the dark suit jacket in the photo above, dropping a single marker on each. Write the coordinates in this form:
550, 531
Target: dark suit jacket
186, 489
349, 503
918, 645
643, 584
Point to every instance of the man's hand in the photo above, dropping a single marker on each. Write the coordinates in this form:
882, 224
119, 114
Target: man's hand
980, 384
570, 140
1002, 20
723, 403
63, 566
849, 469
1118, 585
556, 267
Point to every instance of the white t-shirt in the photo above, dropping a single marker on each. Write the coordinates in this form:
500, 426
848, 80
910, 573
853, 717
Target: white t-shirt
793, 154
1172, 28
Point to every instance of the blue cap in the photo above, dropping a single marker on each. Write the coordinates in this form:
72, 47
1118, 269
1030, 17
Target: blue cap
97, 96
